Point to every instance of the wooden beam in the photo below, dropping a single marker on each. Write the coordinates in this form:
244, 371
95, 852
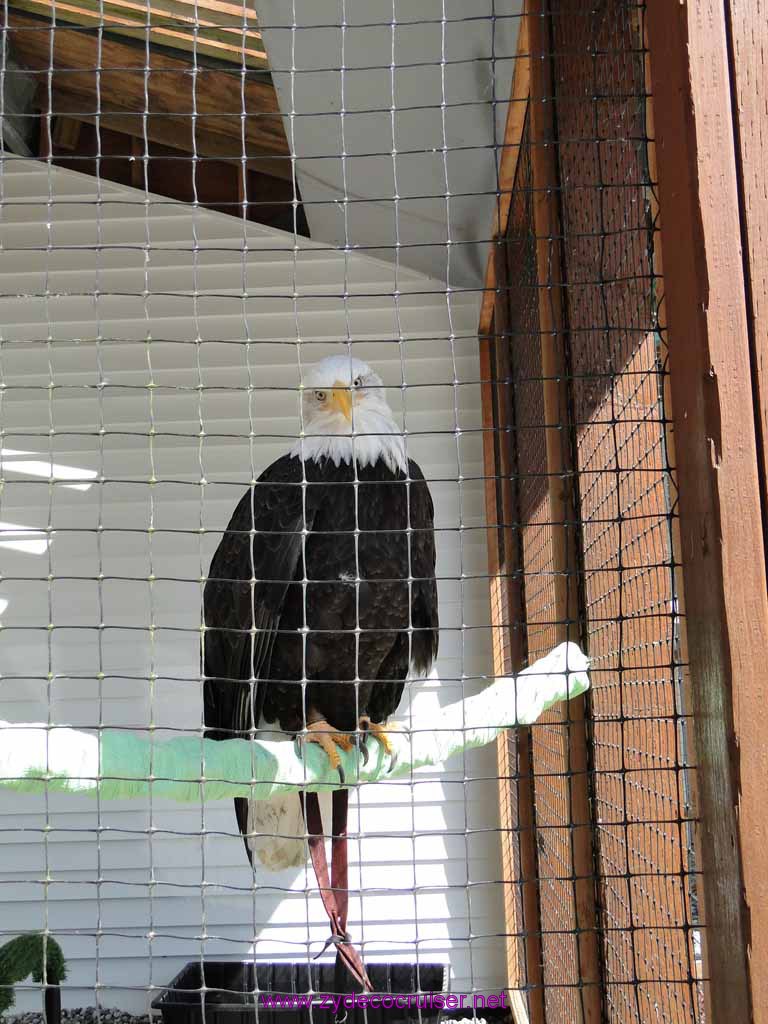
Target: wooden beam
748, 37
203, 12
507, 769
224, 12
698, 957
175, 26
518, 104
720, 496
174, 131
560, 470
518, 841
66, 133
112, 78
529, 879
508, 483
123, 67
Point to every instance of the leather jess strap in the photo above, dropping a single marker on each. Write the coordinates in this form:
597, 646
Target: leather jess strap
334, 890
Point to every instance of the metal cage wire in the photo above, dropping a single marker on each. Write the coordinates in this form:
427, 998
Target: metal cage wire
203, 204
601, 296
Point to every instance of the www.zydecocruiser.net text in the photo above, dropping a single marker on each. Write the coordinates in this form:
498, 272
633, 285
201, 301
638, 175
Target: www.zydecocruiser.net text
385, 1000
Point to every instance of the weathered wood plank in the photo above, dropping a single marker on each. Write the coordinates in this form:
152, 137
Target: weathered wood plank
176, 26
749, 73
572, 726
516, 784
177, 132
698, 957
110, 78
720, 496
80, 55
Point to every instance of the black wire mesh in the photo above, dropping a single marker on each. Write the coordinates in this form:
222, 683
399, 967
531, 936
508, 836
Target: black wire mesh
614, 353
627, 496
152, 353
537, 612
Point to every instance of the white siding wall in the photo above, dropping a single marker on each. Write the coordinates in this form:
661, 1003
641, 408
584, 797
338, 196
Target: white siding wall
130, 907
445, 70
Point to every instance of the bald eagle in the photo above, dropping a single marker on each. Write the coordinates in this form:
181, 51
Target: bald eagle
321, 596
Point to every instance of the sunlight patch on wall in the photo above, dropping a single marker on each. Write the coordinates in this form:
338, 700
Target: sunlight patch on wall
13, 460
23, 538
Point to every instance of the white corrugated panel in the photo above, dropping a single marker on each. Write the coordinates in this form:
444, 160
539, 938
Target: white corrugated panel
148, 343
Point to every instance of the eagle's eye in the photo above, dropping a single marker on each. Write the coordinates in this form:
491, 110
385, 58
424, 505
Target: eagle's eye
357, 382
320, 396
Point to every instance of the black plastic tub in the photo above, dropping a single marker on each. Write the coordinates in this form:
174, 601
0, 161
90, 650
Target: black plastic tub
227, 992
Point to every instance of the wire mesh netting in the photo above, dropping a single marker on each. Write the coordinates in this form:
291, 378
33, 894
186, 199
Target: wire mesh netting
623, 506
199, 202
162, 306
629, 584
627, 500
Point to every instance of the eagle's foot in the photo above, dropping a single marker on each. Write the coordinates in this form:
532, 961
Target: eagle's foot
380, 733
361, 745
325, 736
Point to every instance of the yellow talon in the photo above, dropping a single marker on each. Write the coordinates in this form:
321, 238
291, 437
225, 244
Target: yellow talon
380, 733
325, 736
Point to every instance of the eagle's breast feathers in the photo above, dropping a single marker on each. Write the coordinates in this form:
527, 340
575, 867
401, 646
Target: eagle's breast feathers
326, 574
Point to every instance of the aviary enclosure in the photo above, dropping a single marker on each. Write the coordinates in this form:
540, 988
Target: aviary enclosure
542, 227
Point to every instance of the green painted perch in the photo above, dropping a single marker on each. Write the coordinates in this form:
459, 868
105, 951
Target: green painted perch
117, 764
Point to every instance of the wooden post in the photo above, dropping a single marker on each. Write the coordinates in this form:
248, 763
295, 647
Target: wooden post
719, 480
513, 131
516, 784
699, 956
748, 39
521, 916
565, 544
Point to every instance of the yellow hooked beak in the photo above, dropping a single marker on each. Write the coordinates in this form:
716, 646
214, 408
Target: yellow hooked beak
341, 399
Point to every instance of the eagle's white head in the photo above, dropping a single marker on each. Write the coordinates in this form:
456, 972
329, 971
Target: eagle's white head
344, 412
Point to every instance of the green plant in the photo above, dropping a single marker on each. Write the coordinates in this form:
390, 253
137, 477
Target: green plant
35, 954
